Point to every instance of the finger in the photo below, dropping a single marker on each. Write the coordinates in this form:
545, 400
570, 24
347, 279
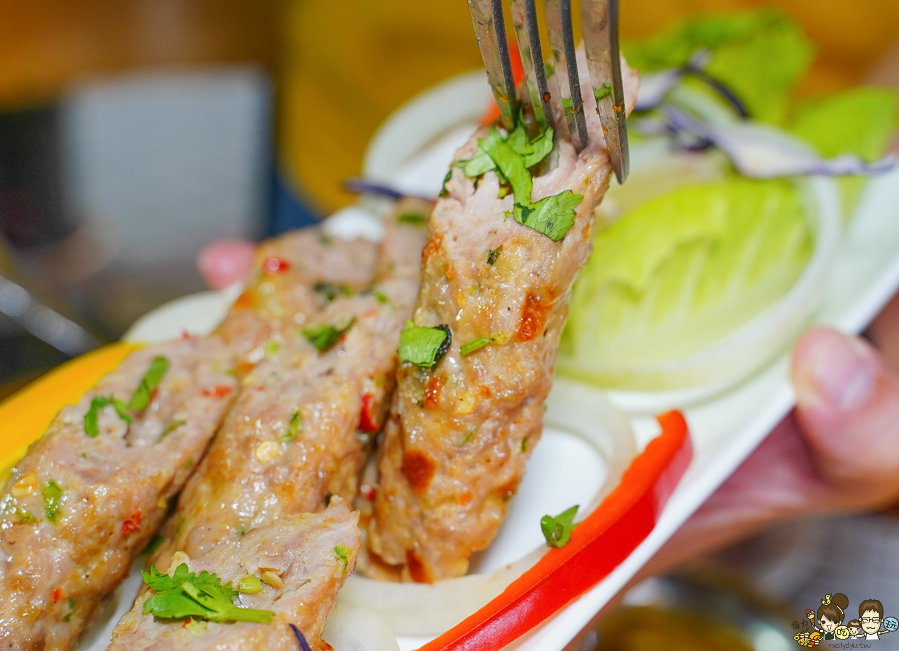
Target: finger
884, 332
848, 406
778, 480
225, 262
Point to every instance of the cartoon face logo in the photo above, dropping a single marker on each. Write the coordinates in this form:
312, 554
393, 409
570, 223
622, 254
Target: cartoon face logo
891, 624
828, 625
842, 632
870, 621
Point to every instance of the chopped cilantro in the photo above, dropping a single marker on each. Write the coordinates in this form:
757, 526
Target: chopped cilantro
52, 494
468, 436
474, 345
24, 516
323, 337
603, 91
271, 348
70, 610
493, 255
552, 216
381, 298
171, 426
148, 383
342, 552
91, 418
294, 427
423, 346
412, 218
203, 596
443, 190
331, 291
512, 157
557, 530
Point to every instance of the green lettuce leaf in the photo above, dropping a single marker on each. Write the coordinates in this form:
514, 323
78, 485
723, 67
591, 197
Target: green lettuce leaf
760, 55
859, 121
682, 270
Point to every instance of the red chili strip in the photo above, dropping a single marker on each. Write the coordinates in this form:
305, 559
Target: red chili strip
601, 542
275, 265
218, 391
132, 524
368, 420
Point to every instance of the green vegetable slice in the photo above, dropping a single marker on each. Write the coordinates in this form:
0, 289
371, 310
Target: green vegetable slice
203, 596
557, 530
175, 424
343, 553
91, 418
475, 344
681, 271
323, 337
294, 427
52, 494
149, 382
423, 346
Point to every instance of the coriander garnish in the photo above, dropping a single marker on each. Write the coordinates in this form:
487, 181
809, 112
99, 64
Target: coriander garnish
323, 337
557, 530
424, 346
148, 383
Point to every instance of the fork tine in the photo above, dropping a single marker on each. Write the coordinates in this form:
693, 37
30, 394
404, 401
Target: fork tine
561, 43
524, 20
600, 24
489, 26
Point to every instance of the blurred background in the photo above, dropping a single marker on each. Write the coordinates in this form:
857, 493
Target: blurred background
133, 132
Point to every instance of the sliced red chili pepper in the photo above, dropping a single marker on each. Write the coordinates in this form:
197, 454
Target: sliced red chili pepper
218, 391
132, 524
275, 265
368, 420
517, 74
57, 594
601, 542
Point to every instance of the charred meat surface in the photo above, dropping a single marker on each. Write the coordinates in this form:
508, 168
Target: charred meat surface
299, 563
461, 430
90, 494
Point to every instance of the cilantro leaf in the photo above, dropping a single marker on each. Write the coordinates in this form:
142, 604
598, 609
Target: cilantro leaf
51, 492
479, 164
552, 216
294, 427
148, 383
423, 346
475, 344
323, 337
510, 165
91, 418
532, 151
185, 594
557, 530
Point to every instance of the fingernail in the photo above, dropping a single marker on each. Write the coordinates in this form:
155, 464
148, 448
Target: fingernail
844, 372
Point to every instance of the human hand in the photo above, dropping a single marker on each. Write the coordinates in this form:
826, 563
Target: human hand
838, 451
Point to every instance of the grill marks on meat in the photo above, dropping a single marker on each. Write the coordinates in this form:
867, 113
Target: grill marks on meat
115, 489
281, 292
300, 550
260, 467
449, 464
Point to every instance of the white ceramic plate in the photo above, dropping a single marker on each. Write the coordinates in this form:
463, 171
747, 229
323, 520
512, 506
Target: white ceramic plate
725, 429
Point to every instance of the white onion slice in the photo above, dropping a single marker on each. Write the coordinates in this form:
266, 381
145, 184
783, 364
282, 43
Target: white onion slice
416, 609
354, 628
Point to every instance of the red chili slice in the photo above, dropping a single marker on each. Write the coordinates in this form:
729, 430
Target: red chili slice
218, 391
132, 524
275, 265
368, 419
597, 546
57, 594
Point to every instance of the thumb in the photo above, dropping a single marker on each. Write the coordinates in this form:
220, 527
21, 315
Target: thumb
848, 409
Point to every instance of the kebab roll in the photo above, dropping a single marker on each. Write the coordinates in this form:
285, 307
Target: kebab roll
90, 494
505, 244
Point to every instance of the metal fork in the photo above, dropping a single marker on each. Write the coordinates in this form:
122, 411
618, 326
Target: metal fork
561, 89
